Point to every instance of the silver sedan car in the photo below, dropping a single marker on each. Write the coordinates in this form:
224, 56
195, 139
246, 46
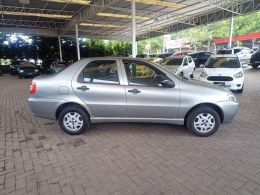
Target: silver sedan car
97, 90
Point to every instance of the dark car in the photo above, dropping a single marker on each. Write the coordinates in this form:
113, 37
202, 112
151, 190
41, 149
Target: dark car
165, 55
27, 69
46, 66
58, 66
200, 57
14, 65
255, 59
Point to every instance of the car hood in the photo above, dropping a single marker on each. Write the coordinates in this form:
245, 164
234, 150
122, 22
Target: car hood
222, 71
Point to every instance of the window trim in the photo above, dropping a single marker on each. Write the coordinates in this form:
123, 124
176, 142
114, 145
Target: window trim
80, 78
144, 63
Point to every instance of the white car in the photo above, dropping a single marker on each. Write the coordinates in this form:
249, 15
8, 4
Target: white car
183, 66
224, 70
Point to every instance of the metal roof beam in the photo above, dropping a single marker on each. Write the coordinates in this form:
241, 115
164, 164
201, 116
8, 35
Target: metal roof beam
88, 12
246, 7
31, 31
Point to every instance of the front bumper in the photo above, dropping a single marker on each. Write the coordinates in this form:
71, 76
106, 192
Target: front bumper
236, 84
27, 74
229, 109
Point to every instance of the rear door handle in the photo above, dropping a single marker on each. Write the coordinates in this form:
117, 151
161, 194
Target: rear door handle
134, 91
83, 88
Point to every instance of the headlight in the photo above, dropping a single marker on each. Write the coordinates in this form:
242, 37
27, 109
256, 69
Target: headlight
232, 97
203, 75
36, 70
21, 71
238, 75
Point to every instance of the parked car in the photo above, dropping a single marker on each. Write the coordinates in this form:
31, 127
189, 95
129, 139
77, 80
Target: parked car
255, 59
14, 65
200, 57
81, 95
165, 55
182, 53
58, 66
183, 66
0, 71
243, 53
46, 66
27, 69
224, 70
143, 56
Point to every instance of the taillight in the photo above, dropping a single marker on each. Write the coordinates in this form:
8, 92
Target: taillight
33, 88
252, 56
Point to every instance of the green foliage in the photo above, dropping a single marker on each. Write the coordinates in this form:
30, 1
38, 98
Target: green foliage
155, 43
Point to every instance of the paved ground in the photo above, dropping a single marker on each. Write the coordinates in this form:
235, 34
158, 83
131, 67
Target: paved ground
126, 158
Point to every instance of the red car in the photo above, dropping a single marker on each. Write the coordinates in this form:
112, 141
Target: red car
183, 53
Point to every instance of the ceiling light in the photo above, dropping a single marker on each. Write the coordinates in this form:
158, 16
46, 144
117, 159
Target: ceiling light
160, 3
84, 2
24, 1
123, 16
38, 15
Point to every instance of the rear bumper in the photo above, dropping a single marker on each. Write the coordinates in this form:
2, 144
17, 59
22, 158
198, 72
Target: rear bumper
45, 108
229, 109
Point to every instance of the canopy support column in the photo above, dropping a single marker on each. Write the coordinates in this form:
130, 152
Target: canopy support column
60, 49
133, 29
77, 40
230, 32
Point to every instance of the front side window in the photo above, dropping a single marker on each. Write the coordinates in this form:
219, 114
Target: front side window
100, 71
223, 62
236, 51
141, 73
185, 62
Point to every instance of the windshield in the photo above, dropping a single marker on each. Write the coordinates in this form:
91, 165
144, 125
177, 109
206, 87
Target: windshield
222, 62
27, 64
176, 61
224, 51
47, 63
16, 62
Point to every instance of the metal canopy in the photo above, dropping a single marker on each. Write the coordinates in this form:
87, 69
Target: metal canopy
111, 19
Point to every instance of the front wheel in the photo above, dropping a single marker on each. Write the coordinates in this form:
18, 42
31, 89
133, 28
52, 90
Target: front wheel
203, 121
255, 65
192, 74
73, 120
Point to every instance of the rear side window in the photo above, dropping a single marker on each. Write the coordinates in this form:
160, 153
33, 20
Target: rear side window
176, 61
100, 71
224, 51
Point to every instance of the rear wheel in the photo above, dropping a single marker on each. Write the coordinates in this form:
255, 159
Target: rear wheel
192, 74
181, 74
203, 121
255, 65
73, 120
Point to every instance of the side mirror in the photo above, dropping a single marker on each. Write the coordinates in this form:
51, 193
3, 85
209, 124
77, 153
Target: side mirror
168, 84
244, 65
201, 65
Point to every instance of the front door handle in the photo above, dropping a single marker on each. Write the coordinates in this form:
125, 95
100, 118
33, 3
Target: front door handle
83, 88
134, 91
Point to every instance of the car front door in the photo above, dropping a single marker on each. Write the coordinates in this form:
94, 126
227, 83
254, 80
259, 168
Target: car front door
146, 97
98, 86
246, 53
186, 66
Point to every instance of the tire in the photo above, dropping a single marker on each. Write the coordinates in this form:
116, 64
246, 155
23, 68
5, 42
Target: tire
79, 127
254, 65
192, 74
204, 129
181, 74
12, 73
240, 90
196, 64
20, 77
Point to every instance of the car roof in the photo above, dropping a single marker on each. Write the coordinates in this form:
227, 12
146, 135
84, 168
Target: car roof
225, 55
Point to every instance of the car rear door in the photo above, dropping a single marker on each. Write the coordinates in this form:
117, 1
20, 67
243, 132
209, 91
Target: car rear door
146, 97
98, 85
